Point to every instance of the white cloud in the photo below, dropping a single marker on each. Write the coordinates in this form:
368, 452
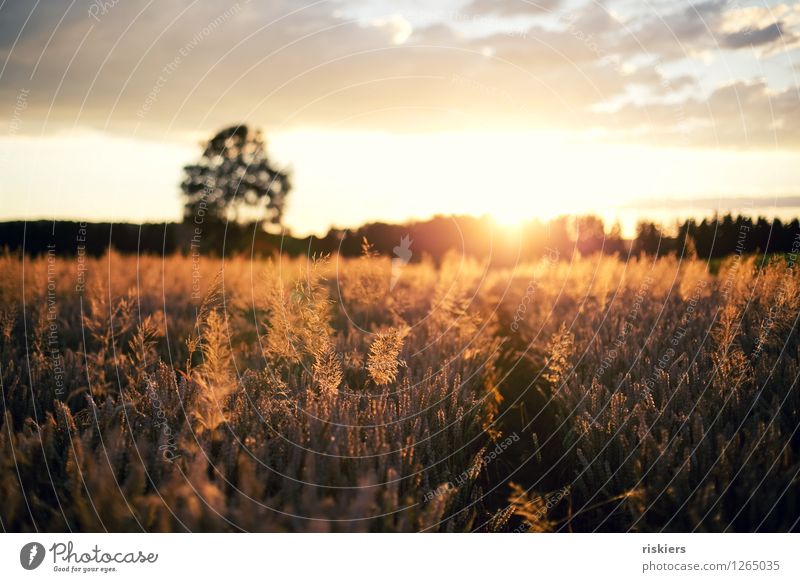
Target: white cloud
396, 26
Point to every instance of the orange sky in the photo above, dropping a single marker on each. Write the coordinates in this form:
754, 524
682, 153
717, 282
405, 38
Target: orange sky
389, 111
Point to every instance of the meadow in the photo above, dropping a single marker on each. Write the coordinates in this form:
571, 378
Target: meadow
571, 394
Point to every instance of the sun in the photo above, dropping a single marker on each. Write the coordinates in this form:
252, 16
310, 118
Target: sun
508, 219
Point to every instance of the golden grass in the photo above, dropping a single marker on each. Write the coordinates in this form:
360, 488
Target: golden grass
338, 395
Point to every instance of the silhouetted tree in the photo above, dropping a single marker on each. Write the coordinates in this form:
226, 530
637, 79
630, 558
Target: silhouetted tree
649, 240
614, 243
685, 245
234, 180
589, 234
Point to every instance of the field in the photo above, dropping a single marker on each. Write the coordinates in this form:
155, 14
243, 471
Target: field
570, 394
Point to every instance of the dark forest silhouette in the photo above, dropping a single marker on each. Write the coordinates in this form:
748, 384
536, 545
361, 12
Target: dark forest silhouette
477, 237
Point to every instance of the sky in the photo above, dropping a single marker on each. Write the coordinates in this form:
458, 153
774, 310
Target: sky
401, 110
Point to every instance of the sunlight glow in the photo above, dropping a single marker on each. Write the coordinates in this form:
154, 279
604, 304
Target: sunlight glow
346, 178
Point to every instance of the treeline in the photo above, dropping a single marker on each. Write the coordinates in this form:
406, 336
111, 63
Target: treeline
739, 235
434, 238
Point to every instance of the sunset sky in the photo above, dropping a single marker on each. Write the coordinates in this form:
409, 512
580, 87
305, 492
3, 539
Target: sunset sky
404, 109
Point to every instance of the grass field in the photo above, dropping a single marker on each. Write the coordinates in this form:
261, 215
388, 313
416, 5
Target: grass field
572, 394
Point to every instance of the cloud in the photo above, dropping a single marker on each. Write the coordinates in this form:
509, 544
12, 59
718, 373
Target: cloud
188, 67
743, 114
710, 26
674, 34
769, 30
748, 37
398, 27
723, 203
511, 7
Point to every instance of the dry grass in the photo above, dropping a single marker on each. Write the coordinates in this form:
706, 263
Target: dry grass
333, 395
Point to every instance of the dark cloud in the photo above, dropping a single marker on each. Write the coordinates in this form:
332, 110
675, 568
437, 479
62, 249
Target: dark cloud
674, 34
678, 34
754, 37
740, 115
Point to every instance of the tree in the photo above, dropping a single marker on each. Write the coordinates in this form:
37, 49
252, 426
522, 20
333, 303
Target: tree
589, 234
234, 180
614, 243
650, 239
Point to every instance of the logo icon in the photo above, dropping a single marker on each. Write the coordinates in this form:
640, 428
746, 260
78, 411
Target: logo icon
402, 255
31, 555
